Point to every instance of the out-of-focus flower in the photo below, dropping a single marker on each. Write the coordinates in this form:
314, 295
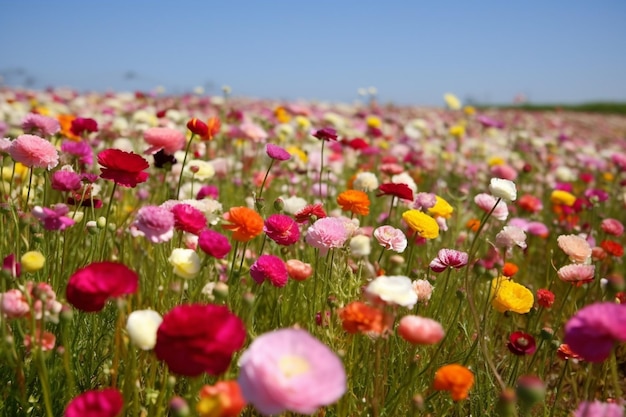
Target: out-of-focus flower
511, 236
327, 134
214, 124
188, 218
293, 204
565, 353
599, 409
34, 152
80, 125
290, 370
577, 248
224, 399
392, 290
327, 233
199, 170
545, 298
612, 248
510, 296
530, 203
196, 338
282, 229
271, 268
391, 238
612, 227
164, 138
32, 261
562, 197
39, 124
53, 218
504, 189
142, 326
124, 168
401, 191
452, 101
530, 390
43, 339
245, 223
360, 245
421, 223
276, 152
354, 201
10, 265
89, 288
595, 329
311, 212
487, 202
424, 290
65, 181
454, 378
441, 208
81, 150
298, 270
448, 258
107, 402
521, 343
577, 274
155, 223
358, 317
186, 263
197, 127
214, 243
509, 269
13, 304
424, 201
420, 330
365, 181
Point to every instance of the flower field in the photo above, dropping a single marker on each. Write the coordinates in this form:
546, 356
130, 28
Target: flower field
219, 256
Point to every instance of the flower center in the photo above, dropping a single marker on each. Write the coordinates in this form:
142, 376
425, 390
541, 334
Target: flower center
292, 365
522, 342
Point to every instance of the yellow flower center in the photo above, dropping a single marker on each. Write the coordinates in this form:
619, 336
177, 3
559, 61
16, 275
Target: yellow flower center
293, 365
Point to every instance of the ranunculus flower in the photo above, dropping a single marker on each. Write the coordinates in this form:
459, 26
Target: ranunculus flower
358, 317
214, 243
197, 338
224, 399
155, 223
124, 168
13, 304
271, 268
32, 261
393, 290
455, 379
576, 247
360, 245
245, 223
448, 258
188, 218
298, 270
142, 326
34, 152
576, 274
487, 202
612, 227
511, 236
290, 370
170, 140
276, 152
354, 201
186, 263
327, 233
107, 402
599, 409
282, 229
501, 188
421, 223
521, 343
391, 238
420, 330
40, 124
510, 296
401, 191
327, 133
53, 218
65, 181
89, 288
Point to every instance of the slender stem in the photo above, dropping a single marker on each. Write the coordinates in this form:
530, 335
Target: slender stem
106, 226
232, 264
614, 375
558, 388
30, 183
182, 168
321, 168
265, 179
43, 375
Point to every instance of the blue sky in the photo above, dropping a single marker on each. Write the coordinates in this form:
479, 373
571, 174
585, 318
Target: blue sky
411, 51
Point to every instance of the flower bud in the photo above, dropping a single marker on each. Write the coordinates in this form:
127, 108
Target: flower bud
179, 407
101, 222
530, 390
198, 127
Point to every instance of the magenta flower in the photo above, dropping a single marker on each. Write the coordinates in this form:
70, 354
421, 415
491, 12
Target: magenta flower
327, 233
595, 329
103, 403
155, 223
11, 266
487, 202
448, 258
282, 229
34, 152
65, 181
210, 191
424, 201
80, 150
391, 238
271, 268
39, 124
165, 138
277, 153
290, 370
599, 409
188, 218
53, 218
327, 133
83, 124
214, 243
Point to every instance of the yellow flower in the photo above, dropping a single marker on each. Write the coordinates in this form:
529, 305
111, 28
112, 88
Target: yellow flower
32, 261
297, 153
302, 122
457, 131
510, 296
282, 115
441, 208
452, 101
373, 121
421, 223
562, 197
495, 160
469, 110
608, 177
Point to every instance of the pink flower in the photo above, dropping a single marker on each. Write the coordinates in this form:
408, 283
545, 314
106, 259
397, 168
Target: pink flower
40, 124
391, 238
298, 270
276, 152
214, 243
423, 289
170, 140
210, 191
155, 223
594, 329
252, 131
103, 403
420, 330
282, 229
271, 268
537, 229
487, 202
188, 219
506, 172
577, 248
13, 304
34, 152
327, 233
577, 274
43, 339
511, 236
81, 150
65, 181
53, 218
612, 227
11, 266
448, 258
424, 201
599, 409
290, 370
326, 133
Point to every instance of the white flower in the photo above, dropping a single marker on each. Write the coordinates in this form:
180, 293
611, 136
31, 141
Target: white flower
393, 290
365, 181
511, 236
293, 204
186, 263
203, 170
504, 189
360, 245
142, 326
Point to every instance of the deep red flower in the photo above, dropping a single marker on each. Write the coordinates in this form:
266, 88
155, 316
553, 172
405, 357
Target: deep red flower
358, 144
188, 218
402, 191
545, 298
521, 343
89, 288
198, 127
198, 338
124, 168
309, 211
103, 403
612, 248
327, 133
81, 125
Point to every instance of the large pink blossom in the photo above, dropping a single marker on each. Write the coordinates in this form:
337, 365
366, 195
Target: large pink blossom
282, 229
271, 268
612, 227
576, 247
34, 152
577, 274
107, 402
40, 125
170, 140
391, 238
155, 223
327, 233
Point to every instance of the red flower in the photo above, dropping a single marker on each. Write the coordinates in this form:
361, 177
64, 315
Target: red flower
327, 133
308, 212
125, 168
612, 248
80, 125
357, 144
198, 127
104, 403
196, 338
402, 191
521, 343
545, 298
89, 288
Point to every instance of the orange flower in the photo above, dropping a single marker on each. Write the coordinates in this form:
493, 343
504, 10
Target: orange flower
565, 352
224, 399
214, 125
355, 201
244, 222
473, 224
359, 317
509, 269
65, 120
454, 378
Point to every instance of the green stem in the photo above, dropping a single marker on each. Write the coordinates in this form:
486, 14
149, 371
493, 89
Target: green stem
106, 226
558, 389
182, 168
265, 179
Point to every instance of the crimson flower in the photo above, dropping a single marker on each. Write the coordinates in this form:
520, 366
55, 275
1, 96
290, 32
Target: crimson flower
198, 338
124, 168
521, 343
107, 402
357, 144
89, 288
327, 133
307, 213
198, 127
80, 125
402, 191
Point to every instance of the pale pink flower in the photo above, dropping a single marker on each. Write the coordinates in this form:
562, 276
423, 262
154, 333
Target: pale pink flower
13, 304
155, 223
170, 140
511, 236
612, 227
577, 274
327, 233
448, 258
577, 248
424, 290
599, 409
5, 144
391, 238
253, 131
424, 201
34, 152
40, 125
290, 370
487, 202
392, 290
420, 330
45, 304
